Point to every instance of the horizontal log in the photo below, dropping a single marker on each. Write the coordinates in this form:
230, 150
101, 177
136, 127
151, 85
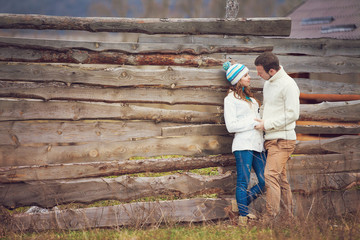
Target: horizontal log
220, 129
138, 215
54, 132
312, 183
124, 189
282, 46
37, 110
324, 164
43, 154
119, 95
101, 169
166, 77
235, 26
344, 145
30, 110
118, 76
292, 64
308, 64
129, 47
331, 111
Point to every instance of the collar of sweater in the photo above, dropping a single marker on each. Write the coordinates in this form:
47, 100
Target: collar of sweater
278, 74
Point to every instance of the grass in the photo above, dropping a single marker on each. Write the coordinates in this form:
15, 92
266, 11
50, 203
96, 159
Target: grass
335, 229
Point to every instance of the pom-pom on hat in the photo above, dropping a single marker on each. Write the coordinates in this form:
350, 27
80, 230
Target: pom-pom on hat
234, 72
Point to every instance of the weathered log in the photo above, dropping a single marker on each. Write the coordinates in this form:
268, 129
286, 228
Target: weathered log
282, 46
314, 64
236, 26
53, 132
344, 145
138, 214
220, 129
129, 47
124, 188
117, 76
308, 64
97, 169
166, 77
119, 95
324, 164
311, 183
35, 110
43, 154
331, 111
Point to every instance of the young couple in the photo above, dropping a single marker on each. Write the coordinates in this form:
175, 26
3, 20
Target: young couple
280, 110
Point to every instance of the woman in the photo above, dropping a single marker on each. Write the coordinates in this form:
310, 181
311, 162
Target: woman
240, 111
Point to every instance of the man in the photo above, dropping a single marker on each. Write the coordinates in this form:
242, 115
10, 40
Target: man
281, 109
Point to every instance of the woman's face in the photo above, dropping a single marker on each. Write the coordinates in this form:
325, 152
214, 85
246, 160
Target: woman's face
245, 80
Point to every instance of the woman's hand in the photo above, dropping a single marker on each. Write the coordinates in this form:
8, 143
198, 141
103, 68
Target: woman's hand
260, 126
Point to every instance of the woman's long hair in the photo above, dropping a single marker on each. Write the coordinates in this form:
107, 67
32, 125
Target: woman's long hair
242, 93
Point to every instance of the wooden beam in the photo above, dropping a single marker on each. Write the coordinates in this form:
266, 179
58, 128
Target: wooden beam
43, 154
138, 215
282, 46
108, 168
304, 127
37, 110
129, 47
331, 111
124, 189
113, 168
236, 26
118, 95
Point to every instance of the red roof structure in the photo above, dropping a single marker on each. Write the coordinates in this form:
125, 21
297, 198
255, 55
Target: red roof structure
326, 19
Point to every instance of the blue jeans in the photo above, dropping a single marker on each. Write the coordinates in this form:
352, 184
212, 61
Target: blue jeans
244, 161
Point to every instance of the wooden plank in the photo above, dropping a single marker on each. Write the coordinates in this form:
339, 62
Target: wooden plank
342, 144
43, 154
138, 214
314, 47
118, 95
129, 47
114, 168
324, 164
236, 26
118, 76
124, 189
308, 64
106, 168
331, 111
53, 132
35, 110
311, 183
220, 129
166, 77
313, 86
292, 64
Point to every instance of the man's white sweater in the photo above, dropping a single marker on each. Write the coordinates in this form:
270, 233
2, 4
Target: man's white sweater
281, 106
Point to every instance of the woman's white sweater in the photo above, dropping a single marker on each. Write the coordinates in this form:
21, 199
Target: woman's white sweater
240, 119
281, 106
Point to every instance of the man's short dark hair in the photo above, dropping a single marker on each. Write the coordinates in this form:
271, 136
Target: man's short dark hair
268, 60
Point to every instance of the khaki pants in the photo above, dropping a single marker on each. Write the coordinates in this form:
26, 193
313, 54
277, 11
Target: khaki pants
276, 182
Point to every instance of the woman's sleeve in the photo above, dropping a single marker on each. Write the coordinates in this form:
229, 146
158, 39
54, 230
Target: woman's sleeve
237, 123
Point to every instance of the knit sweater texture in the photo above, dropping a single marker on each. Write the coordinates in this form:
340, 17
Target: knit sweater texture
281, 106
240, 119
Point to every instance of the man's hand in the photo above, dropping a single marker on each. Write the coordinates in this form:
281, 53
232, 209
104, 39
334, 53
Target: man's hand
260, 126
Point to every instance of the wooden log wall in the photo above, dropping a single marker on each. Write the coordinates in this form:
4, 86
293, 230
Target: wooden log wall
72, 113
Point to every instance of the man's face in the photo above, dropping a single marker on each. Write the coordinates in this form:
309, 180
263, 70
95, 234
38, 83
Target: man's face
262, 73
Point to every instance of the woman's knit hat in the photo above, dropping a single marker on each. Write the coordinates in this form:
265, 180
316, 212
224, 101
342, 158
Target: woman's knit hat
234, 72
